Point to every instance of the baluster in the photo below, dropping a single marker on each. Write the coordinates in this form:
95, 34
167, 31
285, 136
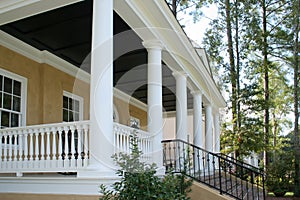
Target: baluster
122, 142
86, 144
79, 146
115, 138
31, 148
119, 142
127, 142
15, 151
10, 147
25, 133
37, 150
73, 152
42, 151
1, 149
10, 150
147, 146
60, 144
5, 150
20, 152
48, 152
66, 150
54, 150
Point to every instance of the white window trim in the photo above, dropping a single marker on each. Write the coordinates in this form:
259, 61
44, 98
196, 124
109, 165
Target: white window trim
78, 98
23, 81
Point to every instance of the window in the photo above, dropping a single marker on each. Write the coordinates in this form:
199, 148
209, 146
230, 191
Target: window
72, 107
12, 99
72, 111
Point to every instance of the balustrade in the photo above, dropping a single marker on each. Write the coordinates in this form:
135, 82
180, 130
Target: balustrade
123, 136
48, 147
60, 147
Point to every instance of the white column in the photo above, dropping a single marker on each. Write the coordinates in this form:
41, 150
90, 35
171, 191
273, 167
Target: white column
181, 105
217, 132
209, 166
101, 91
208, 128
197, 126
155, 115
197, 118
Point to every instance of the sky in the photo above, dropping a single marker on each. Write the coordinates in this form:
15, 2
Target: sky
196, 30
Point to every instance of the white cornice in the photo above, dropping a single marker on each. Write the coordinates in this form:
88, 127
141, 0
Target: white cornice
46, 57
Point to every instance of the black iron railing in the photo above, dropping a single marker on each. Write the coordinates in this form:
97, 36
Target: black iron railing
225, 174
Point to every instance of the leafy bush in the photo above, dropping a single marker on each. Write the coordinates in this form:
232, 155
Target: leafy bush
138, 180
279, 174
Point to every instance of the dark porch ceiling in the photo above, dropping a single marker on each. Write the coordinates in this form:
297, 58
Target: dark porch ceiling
66, 32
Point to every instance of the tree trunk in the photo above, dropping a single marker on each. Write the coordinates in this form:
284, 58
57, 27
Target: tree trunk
232, 68
174, 7
266, 82
237, 49
296, 101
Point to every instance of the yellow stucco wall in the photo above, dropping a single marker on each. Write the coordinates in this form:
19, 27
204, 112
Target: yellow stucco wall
200, 191
45, 86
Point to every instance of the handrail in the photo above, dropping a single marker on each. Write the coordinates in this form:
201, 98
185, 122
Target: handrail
217, 171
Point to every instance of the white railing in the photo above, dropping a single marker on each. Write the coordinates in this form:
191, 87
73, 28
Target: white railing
122, 137
61, 147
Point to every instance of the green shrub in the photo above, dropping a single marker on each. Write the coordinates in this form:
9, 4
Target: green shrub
139, 180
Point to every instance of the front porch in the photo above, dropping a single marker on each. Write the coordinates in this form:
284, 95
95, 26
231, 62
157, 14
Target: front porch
83, 52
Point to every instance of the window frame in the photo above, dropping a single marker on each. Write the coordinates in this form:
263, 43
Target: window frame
23, 104
77, 98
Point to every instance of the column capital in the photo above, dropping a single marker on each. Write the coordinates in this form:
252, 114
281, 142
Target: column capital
197, 92
178, 74
153, 44
207, 104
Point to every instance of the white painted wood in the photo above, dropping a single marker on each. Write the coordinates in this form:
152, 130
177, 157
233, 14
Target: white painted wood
60, 150
101, 87
154, 98
20, 150
208, 128
86, 144
72, 129
181, 105
217, 132
54, 149
31, 145
41, 155
123, 134
42, 149
197, 117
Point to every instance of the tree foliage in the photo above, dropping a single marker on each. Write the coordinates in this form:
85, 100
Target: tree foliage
254, 46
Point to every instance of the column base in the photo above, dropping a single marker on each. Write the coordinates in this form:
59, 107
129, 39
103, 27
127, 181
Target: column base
97, 171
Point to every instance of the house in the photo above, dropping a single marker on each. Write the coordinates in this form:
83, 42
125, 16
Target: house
77, 77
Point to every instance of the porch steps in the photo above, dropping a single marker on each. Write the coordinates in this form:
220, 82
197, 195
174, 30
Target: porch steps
220, 173
240, 191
